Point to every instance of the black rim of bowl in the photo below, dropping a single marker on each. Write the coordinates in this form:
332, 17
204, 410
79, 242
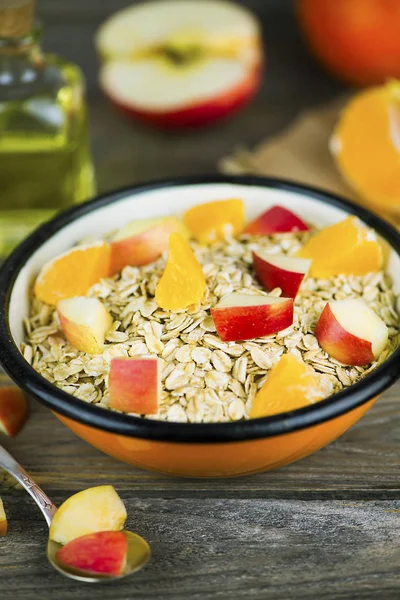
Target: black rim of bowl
77, 410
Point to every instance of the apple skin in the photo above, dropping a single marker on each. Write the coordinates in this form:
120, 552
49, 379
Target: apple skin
13, 410
272, 277
84, 337
236, 323
3, 520
276, 219
143, 248
89, 511
205, 112
339, 343
103, 553
134, 385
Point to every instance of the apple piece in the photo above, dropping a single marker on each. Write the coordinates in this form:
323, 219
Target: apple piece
84, 322
279, 270
175, 64
240, 316
135, 384
102, 553
140, 242
276, 219
13, 410
3, 519
91, 510
351, 332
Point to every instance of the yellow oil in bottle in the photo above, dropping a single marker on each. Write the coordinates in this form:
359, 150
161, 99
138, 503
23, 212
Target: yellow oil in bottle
45, 163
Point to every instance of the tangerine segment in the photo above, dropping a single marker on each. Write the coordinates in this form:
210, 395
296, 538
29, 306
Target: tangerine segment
183, 282
347, 247
216, 220
291, 384
73, 273
366, 145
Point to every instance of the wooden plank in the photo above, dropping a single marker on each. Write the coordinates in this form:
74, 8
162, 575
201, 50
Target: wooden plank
363, 464
227, 549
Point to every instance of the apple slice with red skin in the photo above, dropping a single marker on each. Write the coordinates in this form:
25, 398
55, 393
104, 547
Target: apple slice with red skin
279, 270
101, 553
177, 64
350, 332
276, 219
84, 322
134, 384
142, 241
3, 519
244, 317
13, 410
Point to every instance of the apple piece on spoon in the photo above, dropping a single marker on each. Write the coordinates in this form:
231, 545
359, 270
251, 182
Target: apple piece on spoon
100, 553
350, 332
89, 511
240, 316
140, 242
134, 384
279, 270
276, 219
177, 64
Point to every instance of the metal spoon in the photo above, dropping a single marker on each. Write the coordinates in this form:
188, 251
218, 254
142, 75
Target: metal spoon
138, 548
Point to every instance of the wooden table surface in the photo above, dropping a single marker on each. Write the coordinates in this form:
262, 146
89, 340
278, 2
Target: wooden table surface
327, 526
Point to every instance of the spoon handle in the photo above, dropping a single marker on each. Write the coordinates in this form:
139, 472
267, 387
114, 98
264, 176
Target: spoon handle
8, 463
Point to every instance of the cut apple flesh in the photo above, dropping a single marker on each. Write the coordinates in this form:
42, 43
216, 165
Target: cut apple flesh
218, 26
243, 316
3, 519
84, 322
280, 271
95, 509
351, 332
134, 384
102, 553
159, 91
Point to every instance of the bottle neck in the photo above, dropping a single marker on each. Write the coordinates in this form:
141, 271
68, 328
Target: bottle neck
20, 57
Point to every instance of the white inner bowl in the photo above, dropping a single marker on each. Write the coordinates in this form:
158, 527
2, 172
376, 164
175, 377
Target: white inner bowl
172, 200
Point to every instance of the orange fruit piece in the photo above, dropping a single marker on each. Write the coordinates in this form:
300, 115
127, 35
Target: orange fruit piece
214, 221
291, 384
347, 247
366, 146
73, 273
183, 282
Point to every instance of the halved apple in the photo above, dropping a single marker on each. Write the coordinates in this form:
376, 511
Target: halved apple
351, 332
176, 64
95, 509
140, 242
84, 322
279, 270
244, 317
101, 553
3, 519
276, 219
13, 410
134, 384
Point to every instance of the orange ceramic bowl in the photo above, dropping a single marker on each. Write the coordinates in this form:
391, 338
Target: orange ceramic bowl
188, 449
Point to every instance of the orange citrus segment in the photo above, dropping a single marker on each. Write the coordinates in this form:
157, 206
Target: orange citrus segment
348, 248
73, 273
215, 220
183, 282
366, 145
290, 385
